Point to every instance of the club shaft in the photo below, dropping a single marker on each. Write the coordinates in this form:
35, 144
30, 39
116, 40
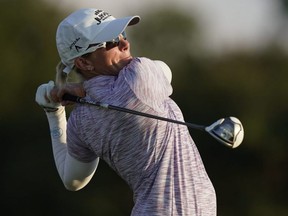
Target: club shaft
134, 112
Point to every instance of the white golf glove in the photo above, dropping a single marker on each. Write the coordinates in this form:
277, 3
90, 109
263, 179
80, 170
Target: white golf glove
43, 97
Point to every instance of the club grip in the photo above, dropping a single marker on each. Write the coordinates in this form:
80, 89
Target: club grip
73, 98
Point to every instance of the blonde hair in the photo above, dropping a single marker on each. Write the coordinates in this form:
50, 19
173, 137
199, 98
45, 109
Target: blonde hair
63, 78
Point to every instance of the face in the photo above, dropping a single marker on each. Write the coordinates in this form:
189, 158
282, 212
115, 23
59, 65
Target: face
108, 60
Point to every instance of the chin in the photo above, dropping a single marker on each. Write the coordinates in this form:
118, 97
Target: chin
125, 61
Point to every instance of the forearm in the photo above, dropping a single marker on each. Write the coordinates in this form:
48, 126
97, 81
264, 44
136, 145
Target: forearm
73, 173
57, 125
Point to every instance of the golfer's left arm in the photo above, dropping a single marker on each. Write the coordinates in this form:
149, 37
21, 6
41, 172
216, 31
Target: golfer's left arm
73, 173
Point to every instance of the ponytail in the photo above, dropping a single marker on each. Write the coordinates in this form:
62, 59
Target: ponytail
61, 76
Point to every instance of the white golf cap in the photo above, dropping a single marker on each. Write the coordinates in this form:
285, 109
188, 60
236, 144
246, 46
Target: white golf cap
86, 30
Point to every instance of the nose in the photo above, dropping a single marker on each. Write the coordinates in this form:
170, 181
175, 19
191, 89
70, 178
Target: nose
123, 44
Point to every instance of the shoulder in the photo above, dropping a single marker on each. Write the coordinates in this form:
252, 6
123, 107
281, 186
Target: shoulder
165, 68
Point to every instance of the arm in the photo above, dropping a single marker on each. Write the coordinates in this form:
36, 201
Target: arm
166, 69
73, 173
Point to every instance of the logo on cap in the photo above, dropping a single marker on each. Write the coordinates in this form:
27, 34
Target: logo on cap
74, 44
101, 16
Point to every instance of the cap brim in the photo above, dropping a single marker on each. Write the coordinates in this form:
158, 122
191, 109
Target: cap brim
115, 27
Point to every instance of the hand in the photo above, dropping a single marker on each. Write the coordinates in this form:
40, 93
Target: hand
70, 88
44, 99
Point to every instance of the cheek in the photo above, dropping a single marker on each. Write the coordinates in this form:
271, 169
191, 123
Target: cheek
101, 61
109, 58
106, 61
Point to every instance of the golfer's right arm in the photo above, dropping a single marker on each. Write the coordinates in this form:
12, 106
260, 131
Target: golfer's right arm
73, 173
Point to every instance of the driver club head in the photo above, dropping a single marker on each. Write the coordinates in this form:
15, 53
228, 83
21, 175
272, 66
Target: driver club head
228, 131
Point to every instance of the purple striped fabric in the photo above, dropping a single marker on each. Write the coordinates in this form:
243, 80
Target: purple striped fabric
157, 159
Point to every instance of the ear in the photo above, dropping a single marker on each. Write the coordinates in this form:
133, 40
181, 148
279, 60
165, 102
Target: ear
83, 64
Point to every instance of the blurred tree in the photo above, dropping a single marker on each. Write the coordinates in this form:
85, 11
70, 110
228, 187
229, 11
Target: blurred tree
168, 34
249, 181
28, 50
284, 4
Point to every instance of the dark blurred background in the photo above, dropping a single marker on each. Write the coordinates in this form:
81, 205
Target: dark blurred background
251, 180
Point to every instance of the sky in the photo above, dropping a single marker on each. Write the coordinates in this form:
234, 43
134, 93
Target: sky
226, 24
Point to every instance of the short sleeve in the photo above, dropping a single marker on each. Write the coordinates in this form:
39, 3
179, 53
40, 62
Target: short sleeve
150, 81
77, 148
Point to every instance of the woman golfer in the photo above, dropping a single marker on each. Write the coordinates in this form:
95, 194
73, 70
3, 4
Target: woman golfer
158, 160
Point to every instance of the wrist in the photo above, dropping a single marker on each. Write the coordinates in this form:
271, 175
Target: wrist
52, 112
50, 109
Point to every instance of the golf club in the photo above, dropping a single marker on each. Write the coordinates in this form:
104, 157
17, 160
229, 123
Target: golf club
228, 131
